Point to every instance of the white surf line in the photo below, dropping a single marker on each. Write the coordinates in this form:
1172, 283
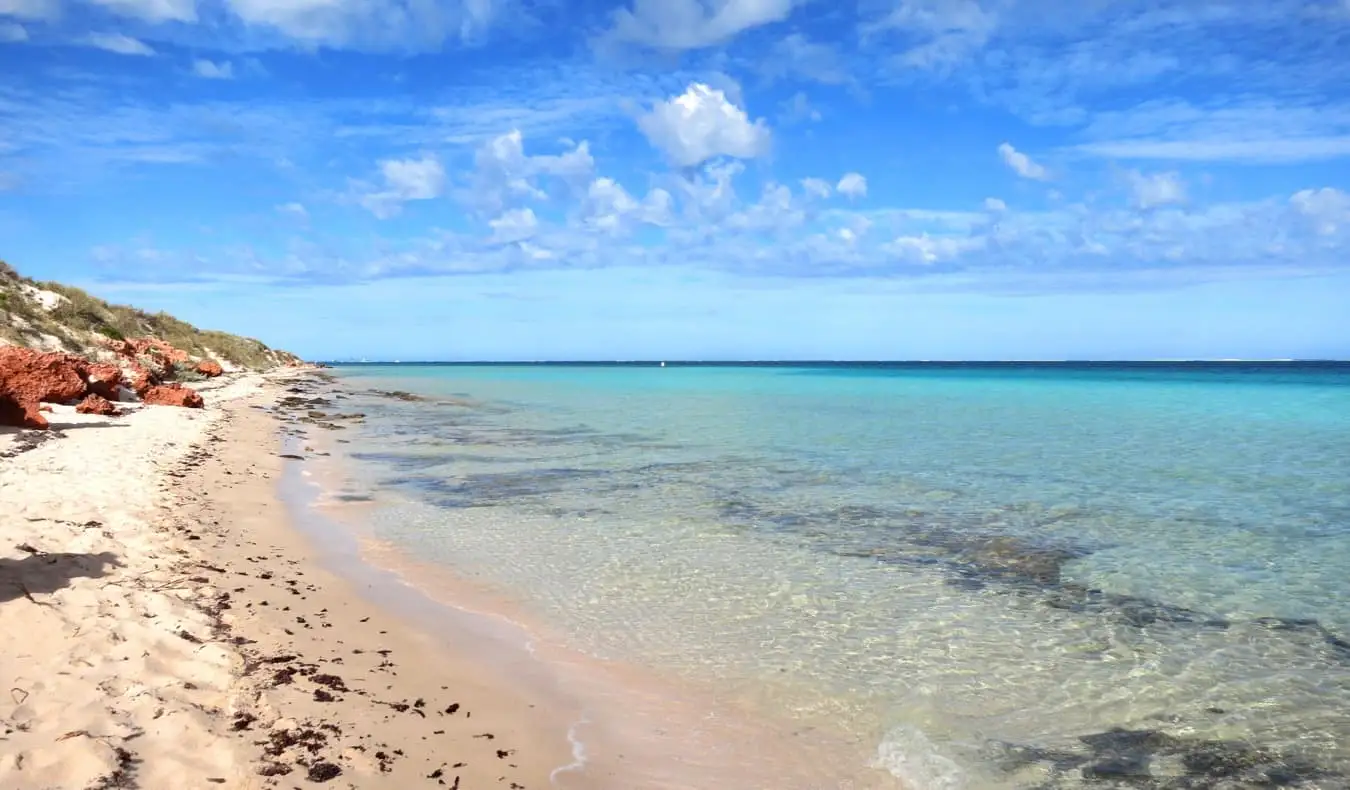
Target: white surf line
578, 751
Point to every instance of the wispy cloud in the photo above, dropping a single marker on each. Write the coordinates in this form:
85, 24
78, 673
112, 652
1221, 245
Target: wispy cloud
31, 9
212, 70
689, 24
1022, 164
118, 43
153, 11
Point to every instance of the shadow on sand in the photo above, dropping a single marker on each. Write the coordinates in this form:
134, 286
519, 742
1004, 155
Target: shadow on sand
42, 574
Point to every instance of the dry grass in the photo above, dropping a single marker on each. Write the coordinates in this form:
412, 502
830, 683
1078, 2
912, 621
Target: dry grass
81, 318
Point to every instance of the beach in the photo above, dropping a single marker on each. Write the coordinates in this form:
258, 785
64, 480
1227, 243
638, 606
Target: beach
164, 626
482, 577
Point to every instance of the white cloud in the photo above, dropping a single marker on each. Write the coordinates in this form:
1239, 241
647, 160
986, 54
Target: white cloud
405, 180
1327, 208
514, 226
701, 124
943, 33
797, 55
30, 9
775, 211
118, 43
1156, 189
797, 109
371, 24
852, 185
1022, 164
611, 208
505, 174
926, 249
211, 70
12, 33
691, 24
153, 10
1252, 149
294, 210
817, 187
995, 205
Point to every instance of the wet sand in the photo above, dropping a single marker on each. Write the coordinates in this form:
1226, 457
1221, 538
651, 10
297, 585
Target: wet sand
187, 605
629, 727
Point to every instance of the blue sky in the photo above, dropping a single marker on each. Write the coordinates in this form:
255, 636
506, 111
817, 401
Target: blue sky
532, 179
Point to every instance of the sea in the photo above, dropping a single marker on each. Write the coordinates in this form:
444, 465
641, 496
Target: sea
973, 575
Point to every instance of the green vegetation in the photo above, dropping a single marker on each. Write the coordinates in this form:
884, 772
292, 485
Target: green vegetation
79, 317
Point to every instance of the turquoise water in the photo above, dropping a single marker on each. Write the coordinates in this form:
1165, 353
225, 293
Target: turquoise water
984, 570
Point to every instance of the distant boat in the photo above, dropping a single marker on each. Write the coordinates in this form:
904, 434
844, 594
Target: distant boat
663, 364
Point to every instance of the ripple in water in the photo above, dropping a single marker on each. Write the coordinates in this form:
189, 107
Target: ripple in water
1004, 580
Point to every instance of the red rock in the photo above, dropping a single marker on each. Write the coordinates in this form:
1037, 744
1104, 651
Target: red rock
94, 403
28, 377
104, 379
209, 368
139, 379
173, 395
153, 346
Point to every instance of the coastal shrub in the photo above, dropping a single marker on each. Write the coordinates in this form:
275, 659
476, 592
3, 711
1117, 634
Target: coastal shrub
185, 371
81, 315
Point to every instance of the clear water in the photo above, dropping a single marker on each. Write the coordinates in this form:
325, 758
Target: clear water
984, 570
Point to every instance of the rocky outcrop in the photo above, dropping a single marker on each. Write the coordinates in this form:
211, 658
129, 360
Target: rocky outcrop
104, 380
209, 368
27, 378
173, 395
94, 403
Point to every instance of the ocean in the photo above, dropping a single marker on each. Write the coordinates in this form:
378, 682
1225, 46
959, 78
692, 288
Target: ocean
989, 575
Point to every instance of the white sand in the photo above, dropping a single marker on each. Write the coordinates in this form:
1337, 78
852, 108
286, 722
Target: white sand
98, 682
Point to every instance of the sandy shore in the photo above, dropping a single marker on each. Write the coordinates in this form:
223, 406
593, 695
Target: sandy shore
164, 626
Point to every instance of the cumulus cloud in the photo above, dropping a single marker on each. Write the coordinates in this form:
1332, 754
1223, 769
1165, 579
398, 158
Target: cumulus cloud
995, 205
1327, 208
852, 185
1022, 164
609, 207
293, 209
701, 124
514, 226
925, 249
505, 174
405, 180
117, 43
154, 11
817, 187
211, 70
677, 25
1155, 189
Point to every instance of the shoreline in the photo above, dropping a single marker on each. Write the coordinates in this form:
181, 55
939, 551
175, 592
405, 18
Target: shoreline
636, 728
176, 632
220, 628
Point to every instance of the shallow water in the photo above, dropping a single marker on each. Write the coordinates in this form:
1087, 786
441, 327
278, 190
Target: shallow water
981, 570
